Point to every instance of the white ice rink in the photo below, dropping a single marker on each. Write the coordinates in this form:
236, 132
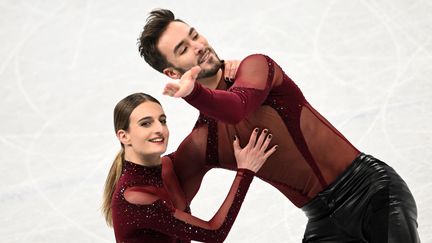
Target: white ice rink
365, 65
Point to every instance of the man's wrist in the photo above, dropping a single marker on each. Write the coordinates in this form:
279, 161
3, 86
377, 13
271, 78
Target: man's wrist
193, 93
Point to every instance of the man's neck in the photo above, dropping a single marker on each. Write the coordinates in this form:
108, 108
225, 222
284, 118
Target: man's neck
213, 81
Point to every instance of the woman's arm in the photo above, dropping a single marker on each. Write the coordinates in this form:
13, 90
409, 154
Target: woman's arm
163, 217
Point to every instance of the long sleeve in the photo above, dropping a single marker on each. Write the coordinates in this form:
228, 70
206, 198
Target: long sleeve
158, 214
253, 82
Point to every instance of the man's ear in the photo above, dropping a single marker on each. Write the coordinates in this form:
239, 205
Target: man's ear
123, 137
172, 73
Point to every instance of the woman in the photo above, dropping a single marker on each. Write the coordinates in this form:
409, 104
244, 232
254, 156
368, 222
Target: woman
143, 200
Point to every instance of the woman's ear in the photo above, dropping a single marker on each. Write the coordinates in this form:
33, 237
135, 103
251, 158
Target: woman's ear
123, 137
172, 73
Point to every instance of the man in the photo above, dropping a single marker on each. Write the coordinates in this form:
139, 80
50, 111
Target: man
348, 196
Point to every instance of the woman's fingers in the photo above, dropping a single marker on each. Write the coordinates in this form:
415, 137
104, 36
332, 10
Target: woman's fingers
270, 152
254, 154
234, 69
236, 144
230, 69
253, 137
230, 73
266, 142
261, 138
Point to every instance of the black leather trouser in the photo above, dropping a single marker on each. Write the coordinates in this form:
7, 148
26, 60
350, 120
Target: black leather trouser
369, 202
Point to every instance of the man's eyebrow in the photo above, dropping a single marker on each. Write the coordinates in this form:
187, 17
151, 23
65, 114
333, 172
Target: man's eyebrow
191, 30
178, 46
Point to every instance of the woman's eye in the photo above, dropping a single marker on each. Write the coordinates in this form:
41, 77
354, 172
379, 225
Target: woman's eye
145, 124
195, 37
183, 51
163, 121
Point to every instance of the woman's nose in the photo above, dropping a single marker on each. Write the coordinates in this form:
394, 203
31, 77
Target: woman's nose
158, 127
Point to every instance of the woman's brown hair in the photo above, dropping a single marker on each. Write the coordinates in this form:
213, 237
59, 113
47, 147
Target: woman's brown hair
122, 113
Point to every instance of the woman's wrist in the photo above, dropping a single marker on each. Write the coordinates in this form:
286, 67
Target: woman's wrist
245, 172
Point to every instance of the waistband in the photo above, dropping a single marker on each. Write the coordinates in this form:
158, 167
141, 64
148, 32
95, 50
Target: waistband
362, 178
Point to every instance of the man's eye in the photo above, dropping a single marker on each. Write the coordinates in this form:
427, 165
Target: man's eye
195, 36
183, 51
163, 121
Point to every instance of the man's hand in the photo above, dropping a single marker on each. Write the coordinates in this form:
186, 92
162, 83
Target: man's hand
184, 86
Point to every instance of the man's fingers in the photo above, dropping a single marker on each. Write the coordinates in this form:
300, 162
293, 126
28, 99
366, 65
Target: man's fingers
181, 91
170, 89
194, 72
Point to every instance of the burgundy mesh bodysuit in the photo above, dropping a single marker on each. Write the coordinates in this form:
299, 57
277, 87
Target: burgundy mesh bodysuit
311, 153
146, 203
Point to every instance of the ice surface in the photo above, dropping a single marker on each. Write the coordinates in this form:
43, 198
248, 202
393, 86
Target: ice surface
365, 65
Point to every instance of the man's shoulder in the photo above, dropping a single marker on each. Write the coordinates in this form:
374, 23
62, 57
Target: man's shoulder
255, 59
255, 56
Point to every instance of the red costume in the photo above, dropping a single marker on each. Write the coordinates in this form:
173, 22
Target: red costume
348, 196
146, 203
311, 153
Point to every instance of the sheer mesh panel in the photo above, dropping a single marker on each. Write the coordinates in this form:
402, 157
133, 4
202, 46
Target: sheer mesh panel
311, 151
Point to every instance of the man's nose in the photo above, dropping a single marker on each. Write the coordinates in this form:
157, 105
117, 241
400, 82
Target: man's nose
198, 47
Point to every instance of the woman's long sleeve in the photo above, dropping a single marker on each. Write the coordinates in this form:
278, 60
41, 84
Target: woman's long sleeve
161, 216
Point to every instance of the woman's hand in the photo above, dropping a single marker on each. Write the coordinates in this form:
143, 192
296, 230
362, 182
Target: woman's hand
184, 86
254, 154
230, 68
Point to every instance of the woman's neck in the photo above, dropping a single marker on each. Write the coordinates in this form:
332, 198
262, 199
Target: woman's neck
146, 160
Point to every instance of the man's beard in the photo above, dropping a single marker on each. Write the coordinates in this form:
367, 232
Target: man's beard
205, 73
215, 62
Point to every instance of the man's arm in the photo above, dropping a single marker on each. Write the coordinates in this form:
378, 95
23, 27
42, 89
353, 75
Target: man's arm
254, 80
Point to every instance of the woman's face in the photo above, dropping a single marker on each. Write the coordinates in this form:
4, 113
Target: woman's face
148, 132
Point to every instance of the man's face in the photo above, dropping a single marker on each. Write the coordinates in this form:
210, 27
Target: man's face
184, 48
